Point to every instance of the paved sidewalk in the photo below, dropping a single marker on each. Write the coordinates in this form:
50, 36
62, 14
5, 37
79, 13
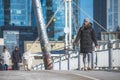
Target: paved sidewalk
59, 75
39, 75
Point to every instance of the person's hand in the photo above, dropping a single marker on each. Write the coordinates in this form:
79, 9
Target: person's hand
96, 47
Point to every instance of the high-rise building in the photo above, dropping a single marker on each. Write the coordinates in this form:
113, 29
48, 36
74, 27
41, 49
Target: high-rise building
113, 14
15, 12
6, 4
75, 19
99, 14
59, 20
20, 12
1, 13
49, 14
119, 13
15, 16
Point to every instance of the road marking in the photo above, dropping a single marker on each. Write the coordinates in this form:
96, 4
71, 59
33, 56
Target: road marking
86, 76
78, 74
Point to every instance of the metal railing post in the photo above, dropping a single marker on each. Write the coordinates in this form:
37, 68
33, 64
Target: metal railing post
69, 60
92, 64
52, 63
79, 67
60, 63
110, 54
41, 66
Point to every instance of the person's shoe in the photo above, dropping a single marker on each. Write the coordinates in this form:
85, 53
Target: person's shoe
89, 68
85, 69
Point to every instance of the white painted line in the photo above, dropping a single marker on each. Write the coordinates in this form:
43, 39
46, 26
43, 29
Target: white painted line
78, 74
85, 76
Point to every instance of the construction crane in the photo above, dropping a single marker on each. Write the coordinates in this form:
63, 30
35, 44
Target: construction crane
45, 47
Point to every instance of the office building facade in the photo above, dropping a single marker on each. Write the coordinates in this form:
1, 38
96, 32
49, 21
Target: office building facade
59, 20
15, 12
119, 14
1, 13
15, 36
113, 15
100, 15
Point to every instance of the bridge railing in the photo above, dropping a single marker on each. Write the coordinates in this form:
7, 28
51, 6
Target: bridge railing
107, 56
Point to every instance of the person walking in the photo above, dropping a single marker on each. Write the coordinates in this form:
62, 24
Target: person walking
86, 36
16, 58
6, 58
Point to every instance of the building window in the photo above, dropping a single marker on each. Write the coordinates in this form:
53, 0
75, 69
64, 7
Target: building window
18, 11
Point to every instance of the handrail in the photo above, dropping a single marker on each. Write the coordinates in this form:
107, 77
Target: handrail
70, 54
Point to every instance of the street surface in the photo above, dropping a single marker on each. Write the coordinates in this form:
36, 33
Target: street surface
59, 75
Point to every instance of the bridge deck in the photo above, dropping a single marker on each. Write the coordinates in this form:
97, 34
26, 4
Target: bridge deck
59, 75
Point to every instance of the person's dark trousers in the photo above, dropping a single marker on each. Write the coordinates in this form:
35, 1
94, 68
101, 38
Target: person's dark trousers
1, 67
5, 67
15, 66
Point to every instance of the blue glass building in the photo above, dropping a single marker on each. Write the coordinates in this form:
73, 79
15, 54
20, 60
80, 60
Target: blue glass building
59, 23
100, 15
15, 12
1, 13
20, 11
112, 14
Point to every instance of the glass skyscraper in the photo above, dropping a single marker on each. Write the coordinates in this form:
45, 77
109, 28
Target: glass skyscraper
59, 22
47, 14
20, 12
113, 12
99, 16
1, 13
15, 12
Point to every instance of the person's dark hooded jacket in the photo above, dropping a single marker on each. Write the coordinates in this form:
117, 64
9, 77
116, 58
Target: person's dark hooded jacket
86, 35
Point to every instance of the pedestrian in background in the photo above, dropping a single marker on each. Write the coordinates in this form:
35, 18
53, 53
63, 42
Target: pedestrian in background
16, 58
86, 36
6, 58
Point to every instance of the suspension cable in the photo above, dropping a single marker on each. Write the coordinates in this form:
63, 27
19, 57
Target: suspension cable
58, 8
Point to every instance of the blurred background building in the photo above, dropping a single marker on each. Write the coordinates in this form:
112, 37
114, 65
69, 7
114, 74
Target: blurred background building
99, 14
18, 15
113, 15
